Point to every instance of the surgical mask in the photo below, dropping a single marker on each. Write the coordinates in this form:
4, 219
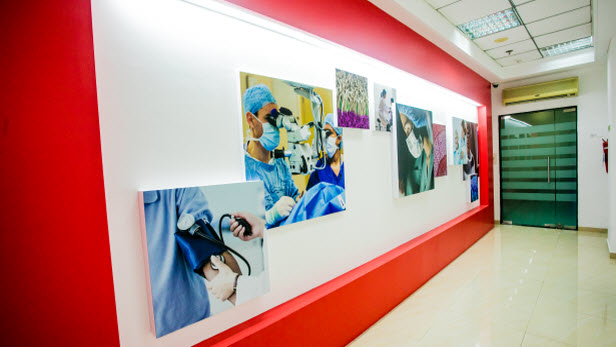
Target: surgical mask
270, 137
330, 146
412, 142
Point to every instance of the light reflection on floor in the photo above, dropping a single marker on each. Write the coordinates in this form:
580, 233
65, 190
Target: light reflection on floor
517, 286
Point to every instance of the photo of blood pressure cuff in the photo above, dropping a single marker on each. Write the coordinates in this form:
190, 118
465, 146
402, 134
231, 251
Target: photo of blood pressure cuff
196, 249
182, 228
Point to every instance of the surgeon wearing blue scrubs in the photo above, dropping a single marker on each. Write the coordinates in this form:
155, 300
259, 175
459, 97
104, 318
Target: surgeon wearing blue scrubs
334, 169
179, 294
281, 193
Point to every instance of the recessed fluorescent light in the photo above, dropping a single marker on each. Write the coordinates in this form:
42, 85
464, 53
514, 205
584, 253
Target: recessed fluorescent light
567, 47
490, 24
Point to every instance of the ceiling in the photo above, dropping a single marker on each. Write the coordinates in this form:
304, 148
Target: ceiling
519, 51
542, 23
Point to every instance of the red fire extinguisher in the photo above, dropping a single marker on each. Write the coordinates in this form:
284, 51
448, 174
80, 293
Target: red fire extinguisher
605, 153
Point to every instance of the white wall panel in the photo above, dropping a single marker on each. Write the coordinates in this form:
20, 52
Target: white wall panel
539, 9
520, 2
574, 33
611, 102
436, 4
466, 10
560, 22
169, 109
518, 58
517, 48
516, 34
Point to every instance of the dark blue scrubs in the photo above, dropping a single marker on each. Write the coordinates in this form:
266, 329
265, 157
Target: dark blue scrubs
326, 175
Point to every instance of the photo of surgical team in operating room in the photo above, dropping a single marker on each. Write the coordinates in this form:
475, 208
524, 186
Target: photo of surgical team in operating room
414, 147
292, 144
471, 167
204, 251
384, 103
460, 141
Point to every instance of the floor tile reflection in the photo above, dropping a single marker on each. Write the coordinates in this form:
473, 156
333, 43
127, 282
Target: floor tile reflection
517, 286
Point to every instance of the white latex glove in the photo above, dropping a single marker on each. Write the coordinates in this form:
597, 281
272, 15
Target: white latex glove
257, 224
281, 209
222, 285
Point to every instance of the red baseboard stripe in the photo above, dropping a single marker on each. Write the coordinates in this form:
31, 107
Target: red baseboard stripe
336, 312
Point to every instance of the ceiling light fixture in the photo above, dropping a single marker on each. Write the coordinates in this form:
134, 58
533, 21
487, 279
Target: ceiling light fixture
490, 24
566, 47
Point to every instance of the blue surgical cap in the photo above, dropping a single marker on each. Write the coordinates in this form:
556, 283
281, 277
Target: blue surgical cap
329, 119
418, 117
256, 97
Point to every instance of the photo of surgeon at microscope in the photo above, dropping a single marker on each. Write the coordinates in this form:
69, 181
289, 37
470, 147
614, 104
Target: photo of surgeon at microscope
292, 146
204, 251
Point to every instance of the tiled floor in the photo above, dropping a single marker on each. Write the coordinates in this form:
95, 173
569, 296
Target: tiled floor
517, 286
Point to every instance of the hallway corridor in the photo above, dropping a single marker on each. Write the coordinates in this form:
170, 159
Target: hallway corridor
517, 286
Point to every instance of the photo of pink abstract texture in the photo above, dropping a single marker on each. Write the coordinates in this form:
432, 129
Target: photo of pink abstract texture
440, 150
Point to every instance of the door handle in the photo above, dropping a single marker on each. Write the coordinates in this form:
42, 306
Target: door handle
548, 169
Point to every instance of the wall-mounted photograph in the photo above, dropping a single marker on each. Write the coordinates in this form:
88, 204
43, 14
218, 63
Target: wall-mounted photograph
292, 145
204, 251
414, 147
352, 100
384, 104
459, 139
440, 150
474, 188
471, 167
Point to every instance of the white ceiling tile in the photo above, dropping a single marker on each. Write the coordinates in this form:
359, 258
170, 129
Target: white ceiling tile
440, 3
577, 32
520, 2
466, 10
560, 22
539, 9
520, 58
517, 48
514, 35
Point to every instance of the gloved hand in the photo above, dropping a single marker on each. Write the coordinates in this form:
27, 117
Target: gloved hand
281, 209
222, 285
257, 225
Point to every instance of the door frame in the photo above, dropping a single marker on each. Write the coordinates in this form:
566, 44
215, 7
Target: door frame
577, 173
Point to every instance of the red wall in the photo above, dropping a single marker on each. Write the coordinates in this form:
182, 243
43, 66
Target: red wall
57, 287
57, 281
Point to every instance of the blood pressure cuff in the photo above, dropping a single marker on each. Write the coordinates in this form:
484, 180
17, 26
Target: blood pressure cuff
196, 249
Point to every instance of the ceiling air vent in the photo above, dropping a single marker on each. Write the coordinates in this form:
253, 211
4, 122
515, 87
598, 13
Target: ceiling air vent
548, 90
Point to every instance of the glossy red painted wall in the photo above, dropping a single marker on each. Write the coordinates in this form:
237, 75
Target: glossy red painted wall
56, 274
57, 286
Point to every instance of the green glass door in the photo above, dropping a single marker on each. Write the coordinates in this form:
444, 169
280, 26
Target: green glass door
527, 180
565, 167
539, 168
